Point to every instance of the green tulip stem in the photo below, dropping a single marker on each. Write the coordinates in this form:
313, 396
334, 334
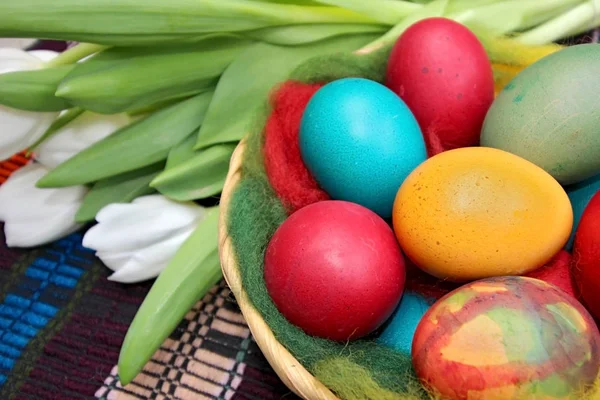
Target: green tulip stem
576, 20
436, 8
75, 54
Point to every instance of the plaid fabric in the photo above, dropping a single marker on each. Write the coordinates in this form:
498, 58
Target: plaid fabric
209, 356
62, 324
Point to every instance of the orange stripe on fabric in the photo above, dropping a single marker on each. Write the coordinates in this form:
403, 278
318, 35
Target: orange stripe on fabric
11, 166
8, 166
20, 159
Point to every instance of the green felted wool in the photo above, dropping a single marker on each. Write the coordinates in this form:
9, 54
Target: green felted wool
334, 372
357, 370
328, 68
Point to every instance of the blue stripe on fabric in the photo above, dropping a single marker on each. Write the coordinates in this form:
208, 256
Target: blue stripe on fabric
9, 351
52, 277
5, 322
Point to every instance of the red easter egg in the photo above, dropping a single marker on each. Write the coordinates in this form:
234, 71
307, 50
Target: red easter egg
586, 256
442, 72
335, 270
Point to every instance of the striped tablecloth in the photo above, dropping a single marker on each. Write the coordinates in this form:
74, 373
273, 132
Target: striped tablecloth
62, 324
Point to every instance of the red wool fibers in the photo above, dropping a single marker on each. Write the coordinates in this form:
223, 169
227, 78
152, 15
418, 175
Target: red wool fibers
557, 272
586, 256
285, 168
426, 285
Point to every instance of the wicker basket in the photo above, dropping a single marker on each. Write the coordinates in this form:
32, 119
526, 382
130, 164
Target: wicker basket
289, 370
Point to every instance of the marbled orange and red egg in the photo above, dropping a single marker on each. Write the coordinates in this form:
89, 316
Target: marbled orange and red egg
507, 338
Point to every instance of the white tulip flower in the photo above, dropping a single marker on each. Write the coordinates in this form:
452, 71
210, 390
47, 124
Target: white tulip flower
44, 55
19, 43
79, 134
34, 216
137, 240
21, 128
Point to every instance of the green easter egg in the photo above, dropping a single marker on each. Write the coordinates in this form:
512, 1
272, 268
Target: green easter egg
548, 114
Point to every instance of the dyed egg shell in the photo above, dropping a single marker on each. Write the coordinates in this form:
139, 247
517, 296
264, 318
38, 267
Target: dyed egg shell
478, 212
580, 195
443, 73
360, 141
507, 338
335, 270
549, 116
400, 330
586, 256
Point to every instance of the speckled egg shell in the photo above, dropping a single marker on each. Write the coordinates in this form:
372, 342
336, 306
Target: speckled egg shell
549, 114
507, 338
360, 141
478, 212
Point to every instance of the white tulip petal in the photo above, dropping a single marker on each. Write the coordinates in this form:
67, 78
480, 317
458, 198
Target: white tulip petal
11, 191
137, 240
44, 55
149, 262
150, 203
120, 225
20, 129
34, 216
115, 261
78, 135
19, 43
40, 231
128, 232
12, 59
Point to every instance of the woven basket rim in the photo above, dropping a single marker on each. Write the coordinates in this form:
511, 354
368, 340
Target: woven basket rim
289, 370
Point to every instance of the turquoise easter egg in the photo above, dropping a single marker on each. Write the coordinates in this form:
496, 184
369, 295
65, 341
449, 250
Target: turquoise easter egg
580, 195
360, 141
400, 329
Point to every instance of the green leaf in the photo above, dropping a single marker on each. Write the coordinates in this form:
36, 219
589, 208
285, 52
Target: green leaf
122, 188
75, 53
200, 177
513, 15
192, 272
435, 8
245, 84
124, 79
573, 22
293, 35
34, 90
158, 106
131, 22
386, 11
182, 152
137, 145
299, 2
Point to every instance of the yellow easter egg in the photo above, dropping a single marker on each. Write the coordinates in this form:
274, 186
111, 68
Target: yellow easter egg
478, 212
